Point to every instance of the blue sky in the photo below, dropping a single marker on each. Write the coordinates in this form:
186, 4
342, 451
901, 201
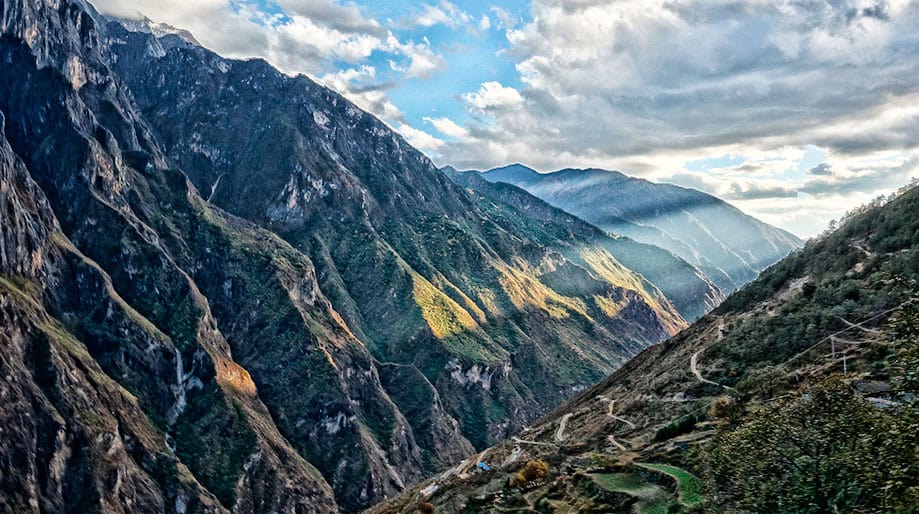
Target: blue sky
793, 110
472, 56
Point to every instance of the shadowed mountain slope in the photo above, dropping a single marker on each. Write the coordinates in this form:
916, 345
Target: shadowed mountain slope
728, 245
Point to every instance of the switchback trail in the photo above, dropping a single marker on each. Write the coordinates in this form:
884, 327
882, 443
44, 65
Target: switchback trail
693, 366
560, 434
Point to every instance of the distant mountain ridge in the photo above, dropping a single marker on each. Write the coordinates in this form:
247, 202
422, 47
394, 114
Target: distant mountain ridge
690, 291
729, 246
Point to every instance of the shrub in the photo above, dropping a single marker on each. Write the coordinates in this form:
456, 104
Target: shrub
531, 471
764, 382
829, 452
676, 427
726, 408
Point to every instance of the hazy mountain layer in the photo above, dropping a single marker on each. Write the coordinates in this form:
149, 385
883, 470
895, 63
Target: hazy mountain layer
730, 247
687, 288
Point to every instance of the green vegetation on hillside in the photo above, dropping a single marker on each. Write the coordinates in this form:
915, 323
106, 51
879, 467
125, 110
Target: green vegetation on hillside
865, 268
799, 395
829, 448
676, 427
689, 487
830, 451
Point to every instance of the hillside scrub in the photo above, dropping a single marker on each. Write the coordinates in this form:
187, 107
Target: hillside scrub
530, 472
868, 266
828, 451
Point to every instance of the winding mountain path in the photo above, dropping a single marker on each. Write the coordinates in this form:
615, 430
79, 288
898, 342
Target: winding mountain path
694, 367
616, 443
609, 412
694, 360
560, 434
524, 441
620, 418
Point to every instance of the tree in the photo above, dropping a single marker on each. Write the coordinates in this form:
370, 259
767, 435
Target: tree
905, 327
765, 382
831, 451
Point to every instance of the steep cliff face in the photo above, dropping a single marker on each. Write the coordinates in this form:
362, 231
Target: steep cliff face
108, 301
356, 323
476, 299
80, 441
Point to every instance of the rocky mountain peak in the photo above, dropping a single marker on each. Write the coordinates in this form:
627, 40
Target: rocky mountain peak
159, 30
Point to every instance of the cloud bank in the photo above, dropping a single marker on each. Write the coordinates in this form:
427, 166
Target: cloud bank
808, 105
649, 86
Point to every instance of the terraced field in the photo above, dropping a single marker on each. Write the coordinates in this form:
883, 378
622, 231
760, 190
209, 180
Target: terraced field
653, 498
689, 486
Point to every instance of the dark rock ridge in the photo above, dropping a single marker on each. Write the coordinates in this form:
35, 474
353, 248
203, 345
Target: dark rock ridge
227, 289
730, 247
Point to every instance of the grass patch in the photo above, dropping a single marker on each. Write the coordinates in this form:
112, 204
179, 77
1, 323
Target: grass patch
688, 485
625, 483
444, 316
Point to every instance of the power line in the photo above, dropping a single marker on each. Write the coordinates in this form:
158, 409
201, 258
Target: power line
850, 327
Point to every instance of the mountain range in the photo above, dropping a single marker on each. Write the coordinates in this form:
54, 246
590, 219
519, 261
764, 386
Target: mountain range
690, 291
797, 394
223, 288
730, 247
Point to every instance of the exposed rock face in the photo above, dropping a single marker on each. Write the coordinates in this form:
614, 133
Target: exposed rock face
96, 306
225, 289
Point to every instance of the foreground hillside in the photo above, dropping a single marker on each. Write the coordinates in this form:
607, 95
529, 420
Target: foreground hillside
798, 394
728, 245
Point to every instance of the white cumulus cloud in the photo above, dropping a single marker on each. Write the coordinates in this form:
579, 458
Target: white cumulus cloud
447, 127
646, 86
420, 139
493, 96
